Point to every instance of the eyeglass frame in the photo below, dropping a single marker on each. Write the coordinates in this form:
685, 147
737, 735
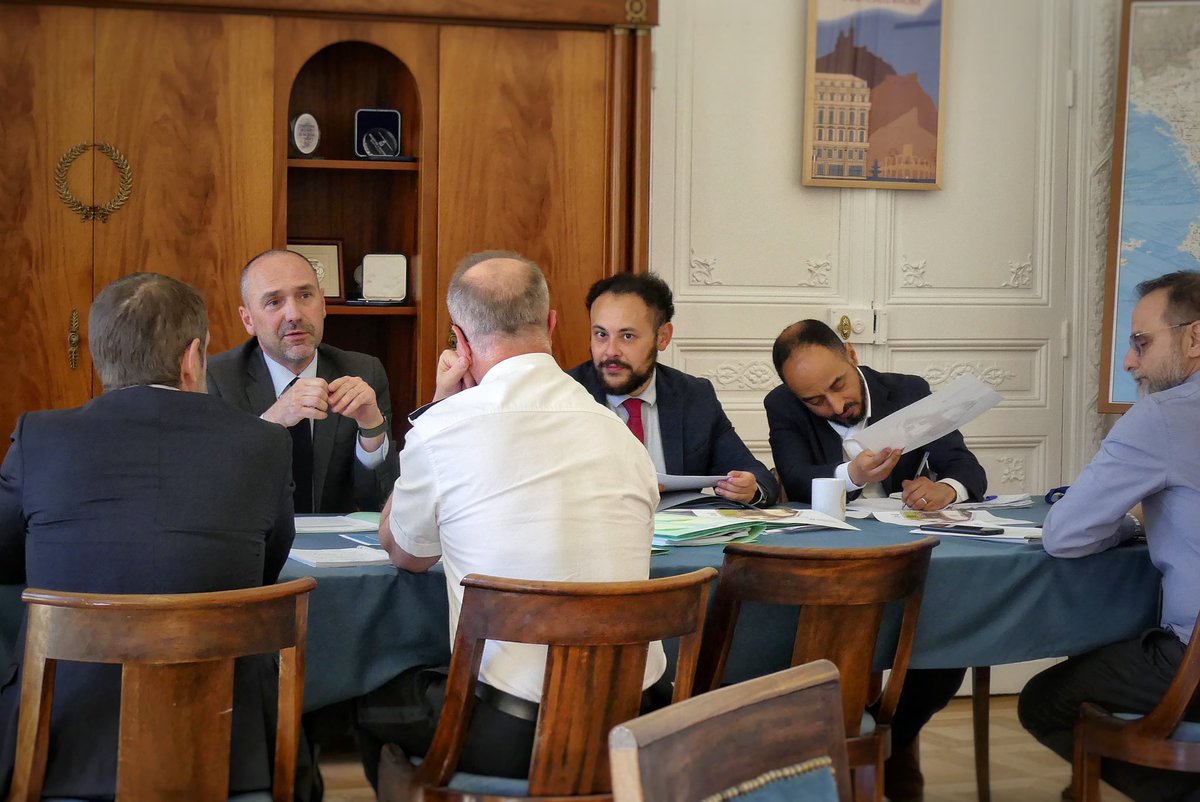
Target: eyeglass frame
1137, 348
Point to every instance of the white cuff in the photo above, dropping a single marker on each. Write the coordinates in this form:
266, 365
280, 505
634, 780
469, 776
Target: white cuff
843, 472
370, 459
962, 494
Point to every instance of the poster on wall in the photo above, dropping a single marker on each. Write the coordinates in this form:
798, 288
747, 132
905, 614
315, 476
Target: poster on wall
1154, 211
872, 100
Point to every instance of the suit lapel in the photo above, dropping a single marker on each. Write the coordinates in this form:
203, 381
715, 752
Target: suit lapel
260, 390
670, 421
324, 434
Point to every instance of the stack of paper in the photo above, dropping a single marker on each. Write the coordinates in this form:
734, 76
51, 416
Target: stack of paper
997, 502
340, 558
774, 519
681, 529
947, 516
325, 524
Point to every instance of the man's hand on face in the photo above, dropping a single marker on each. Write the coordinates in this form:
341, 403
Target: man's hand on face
738, 486
453, 375
307, 398
873, 466
354, 398
923, 493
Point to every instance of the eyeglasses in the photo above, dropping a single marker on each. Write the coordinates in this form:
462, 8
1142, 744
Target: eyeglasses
1136, 343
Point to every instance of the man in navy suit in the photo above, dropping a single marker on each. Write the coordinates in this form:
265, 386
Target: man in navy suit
677, 416
152, 487
335, 403
826, 398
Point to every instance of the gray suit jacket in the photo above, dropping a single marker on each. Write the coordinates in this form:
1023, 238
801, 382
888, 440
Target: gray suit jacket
340, 482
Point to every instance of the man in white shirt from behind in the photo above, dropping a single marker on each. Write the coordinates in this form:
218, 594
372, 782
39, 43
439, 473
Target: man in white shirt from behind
514, 471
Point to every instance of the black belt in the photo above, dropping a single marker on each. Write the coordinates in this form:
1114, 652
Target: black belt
515, 706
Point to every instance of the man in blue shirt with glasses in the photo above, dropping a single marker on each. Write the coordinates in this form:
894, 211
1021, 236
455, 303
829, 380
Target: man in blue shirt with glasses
1146, 474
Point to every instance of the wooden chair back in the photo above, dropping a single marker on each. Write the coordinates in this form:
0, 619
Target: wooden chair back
716, 741
177, 653
842, 595
598, 635
1145, 741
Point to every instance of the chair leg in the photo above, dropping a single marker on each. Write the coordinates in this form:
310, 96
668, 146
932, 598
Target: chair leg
1085, 770
981, 700
867, 782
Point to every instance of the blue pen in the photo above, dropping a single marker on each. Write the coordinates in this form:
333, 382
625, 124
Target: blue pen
922, 466
990, 498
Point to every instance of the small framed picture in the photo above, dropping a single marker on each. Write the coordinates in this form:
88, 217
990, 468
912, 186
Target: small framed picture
325, 255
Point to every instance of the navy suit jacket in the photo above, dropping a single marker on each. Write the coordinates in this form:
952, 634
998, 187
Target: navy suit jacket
698, 438
142, 490
340, 482
806, 447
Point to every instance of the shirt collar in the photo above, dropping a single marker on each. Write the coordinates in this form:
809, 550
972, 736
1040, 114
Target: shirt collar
281, 376
648, 396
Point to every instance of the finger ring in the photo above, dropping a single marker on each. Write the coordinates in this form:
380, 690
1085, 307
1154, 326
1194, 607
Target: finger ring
923, 500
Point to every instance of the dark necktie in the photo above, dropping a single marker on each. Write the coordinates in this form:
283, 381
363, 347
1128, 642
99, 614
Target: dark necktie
634, 407
302, 462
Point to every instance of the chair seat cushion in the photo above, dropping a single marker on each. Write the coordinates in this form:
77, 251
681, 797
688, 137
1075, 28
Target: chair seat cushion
483, 784
1187, 731
810, 781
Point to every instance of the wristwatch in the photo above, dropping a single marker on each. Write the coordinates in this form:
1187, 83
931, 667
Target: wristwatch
374, 431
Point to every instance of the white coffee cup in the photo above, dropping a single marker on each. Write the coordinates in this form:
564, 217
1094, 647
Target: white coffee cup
829, 497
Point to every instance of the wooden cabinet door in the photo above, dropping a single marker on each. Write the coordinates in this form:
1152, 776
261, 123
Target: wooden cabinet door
188, 99
46, 269
522, 160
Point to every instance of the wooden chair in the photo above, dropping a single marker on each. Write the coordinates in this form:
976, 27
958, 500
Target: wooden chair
755, 734
1160, 739
177, 654
842, 594
598, 635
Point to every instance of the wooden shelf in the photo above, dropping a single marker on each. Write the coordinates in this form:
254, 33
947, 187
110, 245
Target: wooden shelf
347, 309
353, 164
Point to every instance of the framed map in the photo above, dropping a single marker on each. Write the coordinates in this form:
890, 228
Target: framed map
1154, 211
872, 94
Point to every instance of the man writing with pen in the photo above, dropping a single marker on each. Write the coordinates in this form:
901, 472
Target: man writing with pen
826, 399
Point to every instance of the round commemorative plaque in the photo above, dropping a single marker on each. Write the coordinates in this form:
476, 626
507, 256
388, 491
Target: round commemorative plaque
380, 143
304, 133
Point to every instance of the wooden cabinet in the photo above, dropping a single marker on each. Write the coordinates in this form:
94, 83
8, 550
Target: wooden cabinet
181, 103
527, 119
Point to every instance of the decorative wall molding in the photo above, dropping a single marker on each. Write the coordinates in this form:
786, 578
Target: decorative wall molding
1020, 274
818, 272
994, 375
755, 376
913, 273
1012, 469
702, 272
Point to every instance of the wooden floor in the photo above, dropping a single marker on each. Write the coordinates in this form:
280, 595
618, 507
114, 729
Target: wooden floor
1022, 769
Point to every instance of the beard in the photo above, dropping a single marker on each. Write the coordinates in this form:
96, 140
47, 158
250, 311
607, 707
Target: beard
1173, 374
857, 412
624, 387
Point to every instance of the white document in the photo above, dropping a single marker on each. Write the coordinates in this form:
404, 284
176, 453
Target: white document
323, 524
672, 483
947, 516
777, 519
340, 558
922, 422
870, 505
1012, 534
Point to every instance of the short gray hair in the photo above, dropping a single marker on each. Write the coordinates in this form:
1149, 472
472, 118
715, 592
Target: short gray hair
485, 308
139, 327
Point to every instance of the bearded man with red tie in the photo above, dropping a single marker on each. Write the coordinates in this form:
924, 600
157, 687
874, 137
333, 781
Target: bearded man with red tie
677, 416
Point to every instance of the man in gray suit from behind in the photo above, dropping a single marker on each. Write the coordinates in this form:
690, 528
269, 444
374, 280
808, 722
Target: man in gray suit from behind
336, 404
152, 487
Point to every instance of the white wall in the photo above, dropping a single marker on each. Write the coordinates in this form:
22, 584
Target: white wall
1010, 251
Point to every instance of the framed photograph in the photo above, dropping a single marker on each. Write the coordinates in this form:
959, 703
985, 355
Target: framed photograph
325, 255
872, 94
1154, 198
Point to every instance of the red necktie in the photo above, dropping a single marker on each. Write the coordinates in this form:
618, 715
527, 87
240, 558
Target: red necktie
634, 407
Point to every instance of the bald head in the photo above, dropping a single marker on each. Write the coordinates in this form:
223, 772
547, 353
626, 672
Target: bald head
272, 257
498, 295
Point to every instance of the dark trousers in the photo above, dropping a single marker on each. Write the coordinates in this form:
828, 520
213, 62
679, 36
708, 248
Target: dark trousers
405, 712
1126, 677
925, 692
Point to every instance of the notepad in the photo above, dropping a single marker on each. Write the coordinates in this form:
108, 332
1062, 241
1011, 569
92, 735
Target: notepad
340, 558
332, 524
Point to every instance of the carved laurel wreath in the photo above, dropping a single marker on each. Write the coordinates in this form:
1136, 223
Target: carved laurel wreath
635, 10
73, 203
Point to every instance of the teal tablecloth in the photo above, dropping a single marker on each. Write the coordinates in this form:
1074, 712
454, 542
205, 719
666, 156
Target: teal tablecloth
984, 604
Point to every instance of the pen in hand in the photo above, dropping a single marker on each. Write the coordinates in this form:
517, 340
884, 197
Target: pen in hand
923, 466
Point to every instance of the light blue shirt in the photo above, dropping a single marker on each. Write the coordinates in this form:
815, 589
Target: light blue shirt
1151, 456
281, 377
651, 433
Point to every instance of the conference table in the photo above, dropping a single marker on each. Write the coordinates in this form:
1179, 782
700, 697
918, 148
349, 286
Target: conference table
985, 603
